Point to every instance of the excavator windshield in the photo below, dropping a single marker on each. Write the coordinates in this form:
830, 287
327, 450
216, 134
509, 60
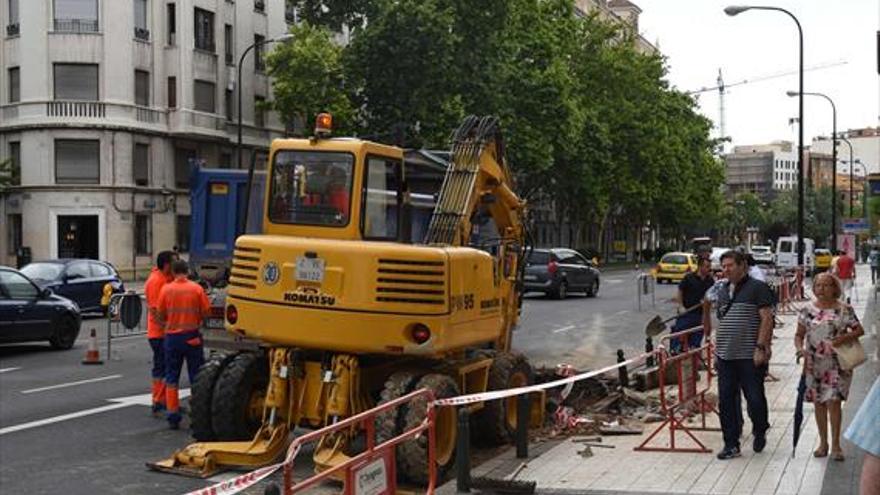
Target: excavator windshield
311, 188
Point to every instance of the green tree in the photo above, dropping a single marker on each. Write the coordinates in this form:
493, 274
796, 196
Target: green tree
309, 78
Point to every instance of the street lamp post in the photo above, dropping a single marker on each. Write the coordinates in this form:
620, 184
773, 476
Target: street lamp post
833, 160
738, 9
247, 193
845, 140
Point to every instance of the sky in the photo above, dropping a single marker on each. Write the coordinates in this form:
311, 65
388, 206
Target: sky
698, 38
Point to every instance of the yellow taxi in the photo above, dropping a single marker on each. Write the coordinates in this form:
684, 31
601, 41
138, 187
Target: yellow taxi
823, 259
674, 266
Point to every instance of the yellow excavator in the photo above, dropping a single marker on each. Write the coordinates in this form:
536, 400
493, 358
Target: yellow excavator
369, 280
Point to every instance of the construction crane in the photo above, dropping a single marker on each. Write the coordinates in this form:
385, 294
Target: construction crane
722, 89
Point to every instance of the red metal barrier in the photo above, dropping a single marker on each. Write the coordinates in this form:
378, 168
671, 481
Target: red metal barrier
677, 410
375, 460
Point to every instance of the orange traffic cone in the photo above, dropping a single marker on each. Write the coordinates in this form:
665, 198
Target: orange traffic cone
93, 356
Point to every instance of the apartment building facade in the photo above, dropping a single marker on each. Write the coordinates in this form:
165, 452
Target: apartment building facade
761, 169
105, 105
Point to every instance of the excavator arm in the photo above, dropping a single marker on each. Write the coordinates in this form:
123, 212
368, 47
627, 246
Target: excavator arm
477, 180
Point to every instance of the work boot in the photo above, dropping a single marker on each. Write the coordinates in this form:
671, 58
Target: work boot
174, 420
158, 410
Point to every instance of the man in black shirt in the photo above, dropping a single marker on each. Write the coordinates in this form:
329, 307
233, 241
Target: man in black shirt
691, 291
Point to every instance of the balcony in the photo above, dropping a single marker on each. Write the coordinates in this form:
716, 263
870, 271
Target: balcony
89, 109
142, 34
76, 25
82, 112
13, 29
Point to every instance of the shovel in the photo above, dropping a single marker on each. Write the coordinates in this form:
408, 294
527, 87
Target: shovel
657, 326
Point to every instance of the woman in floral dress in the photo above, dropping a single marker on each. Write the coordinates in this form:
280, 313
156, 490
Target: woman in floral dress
822, 324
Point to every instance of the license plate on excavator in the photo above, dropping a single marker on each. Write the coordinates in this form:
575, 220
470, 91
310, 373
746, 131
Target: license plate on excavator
309, 269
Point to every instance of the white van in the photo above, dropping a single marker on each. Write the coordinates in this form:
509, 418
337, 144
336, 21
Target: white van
787, 256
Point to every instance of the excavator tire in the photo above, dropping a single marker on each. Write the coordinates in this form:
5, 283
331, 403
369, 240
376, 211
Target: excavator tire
203, 395
412, 456
495, 423
237, 406
388, 422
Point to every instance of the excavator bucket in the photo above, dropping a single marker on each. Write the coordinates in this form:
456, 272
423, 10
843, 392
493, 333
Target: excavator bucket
205, 459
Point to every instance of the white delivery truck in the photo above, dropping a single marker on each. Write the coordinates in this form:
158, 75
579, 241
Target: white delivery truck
787, 254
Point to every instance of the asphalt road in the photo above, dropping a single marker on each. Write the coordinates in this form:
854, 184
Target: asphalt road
586, 332
66, 427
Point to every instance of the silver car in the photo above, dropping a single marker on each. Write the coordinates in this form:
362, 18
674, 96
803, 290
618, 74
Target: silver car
763, 255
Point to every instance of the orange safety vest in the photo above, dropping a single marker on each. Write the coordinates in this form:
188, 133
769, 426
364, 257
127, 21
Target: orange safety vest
152, 288
182, 305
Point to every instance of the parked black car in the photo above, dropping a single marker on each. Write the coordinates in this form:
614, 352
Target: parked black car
29, 313
558, 271
80, 280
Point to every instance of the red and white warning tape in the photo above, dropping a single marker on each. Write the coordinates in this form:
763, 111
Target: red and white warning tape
238, 483
510, 392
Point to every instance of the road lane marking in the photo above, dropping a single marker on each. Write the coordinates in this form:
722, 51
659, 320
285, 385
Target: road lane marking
621, 312
6, 370
563, 329
71, 384
118, 403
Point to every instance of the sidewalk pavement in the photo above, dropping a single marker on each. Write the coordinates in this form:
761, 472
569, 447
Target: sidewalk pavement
559, 469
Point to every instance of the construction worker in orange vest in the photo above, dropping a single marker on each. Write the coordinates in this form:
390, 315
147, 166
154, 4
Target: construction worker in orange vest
182, 306
159, 276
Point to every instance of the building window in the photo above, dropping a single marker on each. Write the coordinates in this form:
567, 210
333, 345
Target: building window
141, 30
204, 30
182, 236
259, 111
225, 160
204, 96
142, 88
229, 112
140, 164
76, 82
171, 18
143, 235
14, 240
15, 163
14, 85
172, 92
259, 60
182, 158
260, 5
12, 29
77, 161
76, 16
228, 44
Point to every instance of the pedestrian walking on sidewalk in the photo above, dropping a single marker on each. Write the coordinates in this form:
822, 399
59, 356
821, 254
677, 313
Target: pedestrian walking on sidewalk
691, 292
183, 305
823, 324
159, 276
845, 271
742, 351
874, 260
864, 433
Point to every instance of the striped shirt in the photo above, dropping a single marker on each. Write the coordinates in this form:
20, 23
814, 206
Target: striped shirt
739, 318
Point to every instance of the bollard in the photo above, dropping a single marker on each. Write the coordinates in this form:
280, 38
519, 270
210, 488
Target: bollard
649, 347
463, 452
522, 426
623, 376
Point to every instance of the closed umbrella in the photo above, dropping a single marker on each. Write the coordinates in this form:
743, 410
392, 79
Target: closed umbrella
799, 412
